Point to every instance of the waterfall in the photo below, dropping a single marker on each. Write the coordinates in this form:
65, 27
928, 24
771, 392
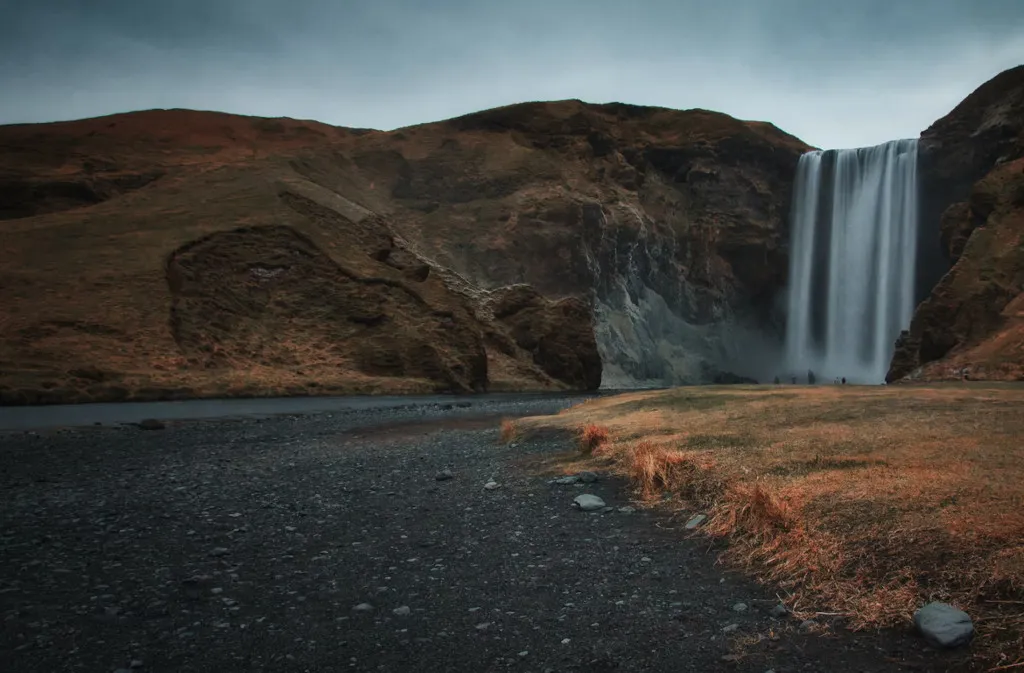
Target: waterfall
853, 248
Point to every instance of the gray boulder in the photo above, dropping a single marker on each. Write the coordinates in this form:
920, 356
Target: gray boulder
588, 503
943, 625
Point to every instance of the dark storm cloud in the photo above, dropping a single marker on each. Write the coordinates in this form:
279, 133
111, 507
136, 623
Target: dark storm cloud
834, 73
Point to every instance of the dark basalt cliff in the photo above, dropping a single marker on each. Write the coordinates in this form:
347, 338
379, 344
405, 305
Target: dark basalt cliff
971, 324
173, 253
672, 224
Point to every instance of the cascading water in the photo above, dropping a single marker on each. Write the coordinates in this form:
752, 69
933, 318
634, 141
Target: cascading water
854, 234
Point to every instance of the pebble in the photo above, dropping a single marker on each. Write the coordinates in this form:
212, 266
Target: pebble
566, 481
779, 610
627, 510
943, 625
219, 551
588, 502
739, 607
587, 477
403, 611
363, 607
696, 521
730, 628
445, 475
491, 485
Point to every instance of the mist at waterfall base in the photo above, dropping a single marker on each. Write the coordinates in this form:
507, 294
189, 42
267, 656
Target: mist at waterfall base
853, 248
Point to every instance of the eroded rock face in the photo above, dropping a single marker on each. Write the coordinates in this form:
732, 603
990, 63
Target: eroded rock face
971, 324
672, 224
268, 295
954, 153
558, 334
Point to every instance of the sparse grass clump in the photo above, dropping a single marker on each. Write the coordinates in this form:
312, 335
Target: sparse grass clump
592, 437
508, 431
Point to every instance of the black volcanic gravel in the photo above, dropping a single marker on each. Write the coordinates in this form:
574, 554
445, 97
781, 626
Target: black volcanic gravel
327, 543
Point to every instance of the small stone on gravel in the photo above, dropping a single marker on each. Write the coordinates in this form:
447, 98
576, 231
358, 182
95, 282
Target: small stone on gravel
943, 625
444, 475
627, 510
779, 610
696, 521
739, 607
730, 628
566, 481
587, 477
403, 611
588, 502
363, 607
491, 485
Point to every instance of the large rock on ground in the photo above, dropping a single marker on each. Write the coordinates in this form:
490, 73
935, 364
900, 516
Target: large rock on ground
943, 625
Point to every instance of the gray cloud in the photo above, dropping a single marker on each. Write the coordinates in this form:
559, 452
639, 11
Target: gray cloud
835, 74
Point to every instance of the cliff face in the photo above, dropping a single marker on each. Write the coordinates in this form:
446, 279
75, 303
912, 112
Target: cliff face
673, 224
539, 246
971, 325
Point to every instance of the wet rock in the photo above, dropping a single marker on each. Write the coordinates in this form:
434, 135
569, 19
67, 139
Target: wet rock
943, 625
588, 502
444, 475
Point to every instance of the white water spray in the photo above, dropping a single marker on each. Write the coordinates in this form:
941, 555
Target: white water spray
854, 233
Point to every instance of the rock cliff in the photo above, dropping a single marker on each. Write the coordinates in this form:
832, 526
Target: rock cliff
173, 253
971, 325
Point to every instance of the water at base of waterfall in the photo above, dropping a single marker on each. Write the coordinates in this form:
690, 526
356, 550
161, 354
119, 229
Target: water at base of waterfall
853, 249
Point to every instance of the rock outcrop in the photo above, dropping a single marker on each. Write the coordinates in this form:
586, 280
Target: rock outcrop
971, 325
673, 224
172, 253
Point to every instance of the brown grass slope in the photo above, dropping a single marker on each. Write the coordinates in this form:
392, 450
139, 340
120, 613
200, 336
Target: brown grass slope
173, 253
972, 324
226, 274
857, 502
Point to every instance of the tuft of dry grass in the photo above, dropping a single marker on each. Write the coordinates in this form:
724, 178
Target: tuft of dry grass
591, 438
860, 501
508, 430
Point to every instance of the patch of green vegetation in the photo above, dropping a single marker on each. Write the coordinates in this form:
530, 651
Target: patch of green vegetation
720, 441
822, 464
677, 401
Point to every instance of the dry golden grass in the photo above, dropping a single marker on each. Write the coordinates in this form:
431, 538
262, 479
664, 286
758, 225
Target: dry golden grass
591, 437
508, 431
862, 501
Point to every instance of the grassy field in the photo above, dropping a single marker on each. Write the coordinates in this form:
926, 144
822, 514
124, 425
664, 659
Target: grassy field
864, 502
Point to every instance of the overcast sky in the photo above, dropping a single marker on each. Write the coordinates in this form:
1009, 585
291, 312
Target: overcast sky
836, 73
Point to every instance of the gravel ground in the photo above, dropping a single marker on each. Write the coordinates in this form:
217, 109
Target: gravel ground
327, 543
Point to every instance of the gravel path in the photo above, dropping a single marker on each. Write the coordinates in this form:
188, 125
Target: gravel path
327, 543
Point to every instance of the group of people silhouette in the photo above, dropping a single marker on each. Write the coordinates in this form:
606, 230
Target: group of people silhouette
812, 379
